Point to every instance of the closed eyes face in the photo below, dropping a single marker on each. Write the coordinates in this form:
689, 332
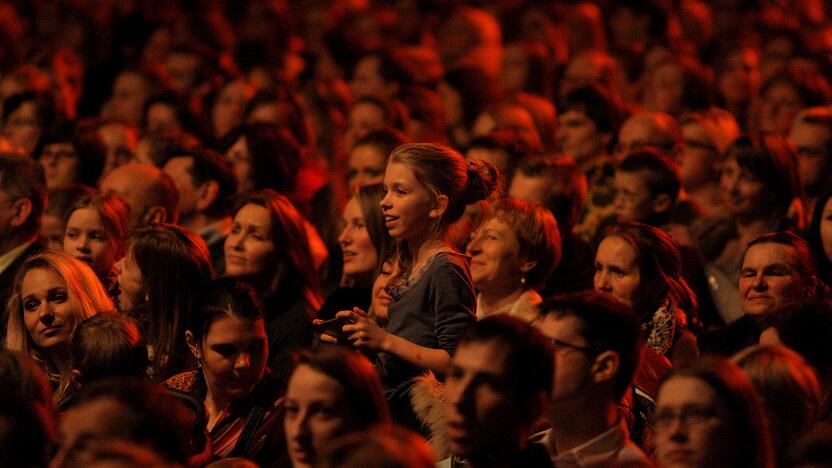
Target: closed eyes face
315, 414
49, 313
769, 280
495, 256
249, 249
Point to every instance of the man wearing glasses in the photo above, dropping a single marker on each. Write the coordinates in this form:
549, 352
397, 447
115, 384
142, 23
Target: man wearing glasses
597, 349
22, 201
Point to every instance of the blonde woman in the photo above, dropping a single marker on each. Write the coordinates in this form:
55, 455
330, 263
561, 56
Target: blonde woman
51, 294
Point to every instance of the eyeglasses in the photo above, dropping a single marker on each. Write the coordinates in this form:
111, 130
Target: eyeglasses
564, 345
690, 416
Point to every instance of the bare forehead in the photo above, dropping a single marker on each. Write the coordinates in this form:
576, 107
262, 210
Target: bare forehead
769, 253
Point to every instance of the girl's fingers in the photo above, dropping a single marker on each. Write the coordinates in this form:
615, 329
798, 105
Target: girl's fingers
328, 338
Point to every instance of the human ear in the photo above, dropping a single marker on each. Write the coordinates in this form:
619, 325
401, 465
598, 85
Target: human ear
440, 205
662, 203
605, 366
155, 215
75, 377
193, 345
527, 265
208, 193
21, 210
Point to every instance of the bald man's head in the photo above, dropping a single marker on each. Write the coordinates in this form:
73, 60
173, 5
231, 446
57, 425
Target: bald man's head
655, 129
150, 193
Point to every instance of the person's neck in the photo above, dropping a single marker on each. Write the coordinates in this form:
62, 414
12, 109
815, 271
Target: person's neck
573, 426
60, 357
198, 221
750, 228
495, 298
423, 249
214, 407
7, 244
502, 454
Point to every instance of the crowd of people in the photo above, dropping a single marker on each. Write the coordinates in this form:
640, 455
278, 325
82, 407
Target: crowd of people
416, 233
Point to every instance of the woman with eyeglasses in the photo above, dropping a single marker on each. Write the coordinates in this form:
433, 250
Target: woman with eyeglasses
710, 415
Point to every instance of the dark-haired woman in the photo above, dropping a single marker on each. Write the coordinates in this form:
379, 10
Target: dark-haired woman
641, 266
165, 270
241, 396
365, 245
268, 246
762, 194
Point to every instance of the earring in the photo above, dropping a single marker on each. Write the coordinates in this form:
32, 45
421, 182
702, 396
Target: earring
523, 280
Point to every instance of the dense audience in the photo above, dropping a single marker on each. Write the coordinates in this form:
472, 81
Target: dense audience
409, 234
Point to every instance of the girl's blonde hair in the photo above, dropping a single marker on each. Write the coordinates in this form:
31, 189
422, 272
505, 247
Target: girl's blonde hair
84, 290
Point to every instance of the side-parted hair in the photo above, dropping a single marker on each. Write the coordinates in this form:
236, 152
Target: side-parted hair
607, 324
85, 292
176, 270
114, 213
740, 398
660, 267
363, 395
226, 296
537, 235
294, 274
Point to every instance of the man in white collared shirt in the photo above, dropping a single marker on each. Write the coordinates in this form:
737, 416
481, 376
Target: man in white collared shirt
22, 201
597, 344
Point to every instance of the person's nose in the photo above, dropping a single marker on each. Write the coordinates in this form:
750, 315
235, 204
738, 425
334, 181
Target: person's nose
602, 282
759, 283
474, 246
385, 202
243, 361
83, 245
344, 238
460, 396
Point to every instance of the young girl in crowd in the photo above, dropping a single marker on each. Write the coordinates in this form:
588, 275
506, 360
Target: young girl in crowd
428, 187
96, 229
51, 294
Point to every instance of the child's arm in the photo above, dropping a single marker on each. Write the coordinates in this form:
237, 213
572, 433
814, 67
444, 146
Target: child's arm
365, 332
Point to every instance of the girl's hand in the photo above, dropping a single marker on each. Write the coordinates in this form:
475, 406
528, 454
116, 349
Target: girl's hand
363, 331
325, 337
